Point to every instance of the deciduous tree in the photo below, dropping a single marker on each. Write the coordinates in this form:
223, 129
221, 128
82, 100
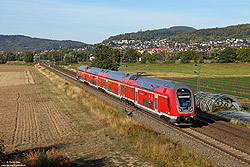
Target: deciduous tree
228, 55
28, 57
243, 54
106, 57
131, 56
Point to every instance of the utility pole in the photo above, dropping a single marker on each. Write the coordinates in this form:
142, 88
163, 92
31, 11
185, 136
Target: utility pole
198, 83
123, 78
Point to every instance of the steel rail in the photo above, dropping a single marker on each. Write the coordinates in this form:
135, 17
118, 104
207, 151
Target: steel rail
228, 131
226, 124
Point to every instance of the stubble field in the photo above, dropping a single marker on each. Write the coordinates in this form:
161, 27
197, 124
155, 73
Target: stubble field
28, 116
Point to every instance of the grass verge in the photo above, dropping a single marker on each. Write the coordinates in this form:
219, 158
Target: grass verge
157, 147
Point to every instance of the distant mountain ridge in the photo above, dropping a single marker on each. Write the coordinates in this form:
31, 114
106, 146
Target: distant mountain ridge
16, 43
151, 34
182, 34
235, 31
186, 34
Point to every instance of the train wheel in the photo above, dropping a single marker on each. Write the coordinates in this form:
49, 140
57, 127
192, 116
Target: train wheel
166, 119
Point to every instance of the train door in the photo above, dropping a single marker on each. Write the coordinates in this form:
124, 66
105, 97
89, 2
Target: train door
136, 96
156, 103
119, 87
123, 90
85, 77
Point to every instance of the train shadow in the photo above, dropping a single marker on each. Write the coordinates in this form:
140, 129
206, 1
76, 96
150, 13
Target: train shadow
204, 119
92, 163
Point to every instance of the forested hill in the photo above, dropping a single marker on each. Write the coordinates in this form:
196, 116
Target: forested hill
187, 34
151, 34
241, 31
15, 43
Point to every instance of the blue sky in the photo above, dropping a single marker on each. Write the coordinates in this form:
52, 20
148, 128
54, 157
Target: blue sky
92, 21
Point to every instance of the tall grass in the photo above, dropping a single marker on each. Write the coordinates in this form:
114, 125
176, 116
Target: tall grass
42, 158
2, 147
157, 147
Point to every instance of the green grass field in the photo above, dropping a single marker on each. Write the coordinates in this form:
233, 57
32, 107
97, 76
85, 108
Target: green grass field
232, 79
206, 70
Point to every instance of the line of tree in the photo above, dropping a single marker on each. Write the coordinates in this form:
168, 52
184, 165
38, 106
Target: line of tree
111, 58
228, 55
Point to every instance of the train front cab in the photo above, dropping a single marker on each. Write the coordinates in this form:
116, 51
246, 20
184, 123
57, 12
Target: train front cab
185, 106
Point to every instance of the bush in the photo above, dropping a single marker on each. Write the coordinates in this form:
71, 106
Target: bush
2, 59
243, 54
28, 57
42, 158
228, 55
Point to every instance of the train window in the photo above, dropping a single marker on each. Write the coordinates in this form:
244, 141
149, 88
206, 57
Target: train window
123, 88
116, 91
151, 87
168, 104
151, 104
93, 82
156, 102
157, 88
132, 90
140, 84
136, 98
144, 102
145, 86
184, 97
137, 83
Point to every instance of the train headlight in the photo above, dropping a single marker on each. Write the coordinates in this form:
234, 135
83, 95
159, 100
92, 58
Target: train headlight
190, 109
180, 110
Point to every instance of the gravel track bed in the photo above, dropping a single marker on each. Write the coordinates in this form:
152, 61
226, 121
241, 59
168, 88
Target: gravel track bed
221, 158
229, 135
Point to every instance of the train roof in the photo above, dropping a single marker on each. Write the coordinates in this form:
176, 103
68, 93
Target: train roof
116, 75
157, 81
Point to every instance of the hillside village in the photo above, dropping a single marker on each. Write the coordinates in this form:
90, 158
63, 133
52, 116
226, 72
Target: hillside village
155, 46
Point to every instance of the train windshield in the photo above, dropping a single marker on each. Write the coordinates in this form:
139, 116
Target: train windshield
184, 97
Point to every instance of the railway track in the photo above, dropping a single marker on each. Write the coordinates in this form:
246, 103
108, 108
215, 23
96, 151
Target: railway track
212, 141
228, 128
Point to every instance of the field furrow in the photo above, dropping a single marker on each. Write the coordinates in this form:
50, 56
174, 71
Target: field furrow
29, 116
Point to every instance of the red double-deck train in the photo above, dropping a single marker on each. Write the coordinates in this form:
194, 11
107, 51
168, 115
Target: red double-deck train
172, 101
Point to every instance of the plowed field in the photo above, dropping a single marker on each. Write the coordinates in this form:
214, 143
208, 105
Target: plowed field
28, 115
